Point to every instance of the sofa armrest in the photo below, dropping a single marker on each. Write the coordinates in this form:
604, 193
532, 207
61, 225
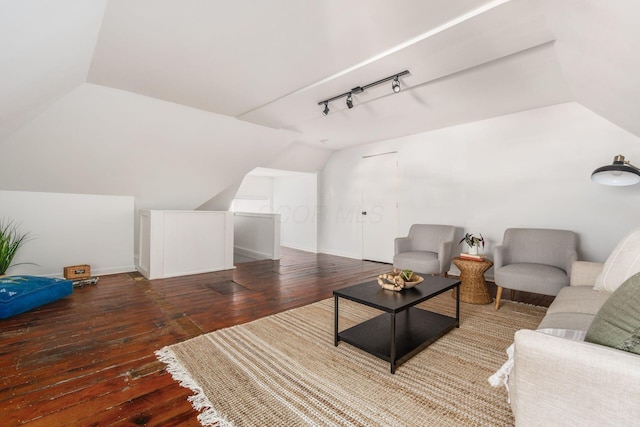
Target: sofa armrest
572, 256
402, 244
584, 273
556, 380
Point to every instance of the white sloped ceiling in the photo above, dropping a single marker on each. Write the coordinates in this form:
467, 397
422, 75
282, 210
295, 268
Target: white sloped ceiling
598, 50
100, 140
174, 101
45, 51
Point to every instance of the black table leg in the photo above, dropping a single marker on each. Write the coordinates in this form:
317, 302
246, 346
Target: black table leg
458, 306
335, 321
393, 343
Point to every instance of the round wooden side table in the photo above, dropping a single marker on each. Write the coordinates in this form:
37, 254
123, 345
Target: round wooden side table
473, 287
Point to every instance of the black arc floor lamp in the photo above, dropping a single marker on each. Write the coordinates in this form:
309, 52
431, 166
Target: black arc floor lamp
619, 173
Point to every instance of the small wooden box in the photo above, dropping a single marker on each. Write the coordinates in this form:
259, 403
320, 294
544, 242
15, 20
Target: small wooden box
82, 271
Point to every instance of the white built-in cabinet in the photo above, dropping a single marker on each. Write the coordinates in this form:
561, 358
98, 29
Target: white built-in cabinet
177, 243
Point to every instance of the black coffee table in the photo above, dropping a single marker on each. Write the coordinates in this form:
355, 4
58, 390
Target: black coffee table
403, 330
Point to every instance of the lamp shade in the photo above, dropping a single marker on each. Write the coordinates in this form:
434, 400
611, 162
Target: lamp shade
620, 173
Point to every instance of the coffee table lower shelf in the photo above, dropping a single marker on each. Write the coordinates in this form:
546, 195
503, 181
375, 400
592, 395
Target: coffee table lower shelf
415, 329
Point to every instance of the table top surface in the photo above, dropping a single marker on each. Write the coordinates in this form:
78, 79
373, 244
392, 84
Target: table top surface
476, 261
373, 295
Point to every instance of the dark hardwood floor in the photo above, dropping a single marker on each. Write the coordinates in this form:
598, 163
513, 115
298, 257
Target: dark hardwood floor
88, 359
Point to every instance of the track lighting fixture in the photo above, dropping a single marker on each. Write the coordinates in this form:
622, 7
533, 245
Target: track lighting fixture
395, 85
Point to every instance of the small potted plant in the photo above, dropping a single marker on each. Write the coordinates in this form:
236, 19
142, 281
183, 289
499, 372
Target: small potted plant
10, 241
473, 242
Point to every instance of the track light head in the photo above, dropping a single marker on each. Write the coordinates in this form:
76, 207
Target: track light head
326, 109
395, 85
349, 102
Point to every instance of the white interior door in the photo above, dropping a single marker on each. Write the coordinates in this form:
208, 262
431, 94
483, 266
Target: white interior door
380, 193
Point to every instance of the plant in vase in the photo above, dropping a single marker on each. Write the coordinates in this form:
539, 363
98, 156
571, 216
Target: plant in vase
10, 241
473, 242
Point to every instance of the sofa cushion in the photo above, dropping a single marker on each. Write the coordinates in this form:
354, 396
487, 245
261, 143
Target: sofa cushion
546, 279
575, 321
617, 324
574, 308
578, 299
623, 263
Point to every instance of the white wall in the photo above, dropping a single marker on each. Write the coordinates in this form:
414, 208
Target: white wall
295, 198
293, 195
254, 195
530, 169
71, 229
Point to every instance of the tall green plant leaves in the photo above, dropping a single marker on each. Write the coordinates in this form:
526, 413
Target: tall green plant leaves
10, 241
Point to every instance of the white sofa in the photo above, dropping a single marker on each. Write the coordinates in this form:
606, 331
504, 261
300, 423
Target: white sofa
557, 381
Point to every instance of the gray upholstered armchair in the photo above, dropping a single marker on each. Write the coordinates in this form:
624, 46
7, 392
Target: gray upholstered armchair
427, 249
534, 260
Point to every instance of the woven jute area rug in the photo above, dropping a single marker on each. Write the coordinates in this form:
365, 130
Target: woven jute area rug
283, 370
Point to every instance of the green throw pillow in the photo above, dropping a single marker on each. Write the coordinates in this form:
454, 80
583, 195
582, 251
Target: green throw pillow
617, 323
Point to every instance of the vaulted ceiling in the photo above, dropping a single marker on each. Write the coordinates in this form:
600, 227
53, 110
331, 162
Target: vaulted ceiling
242, 79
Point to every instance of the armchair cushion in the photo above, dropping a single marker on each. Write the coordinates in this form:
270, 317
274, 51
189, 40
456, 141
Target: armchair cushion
545, 279
419, 261
623, 263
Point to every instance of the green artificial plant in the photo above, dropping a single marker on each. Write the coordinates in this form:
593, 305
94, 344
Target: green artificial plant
10, 241
472, 240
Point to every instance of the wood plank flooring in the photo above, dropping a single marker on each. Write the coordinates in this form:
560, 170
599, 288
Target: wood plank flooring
88, 359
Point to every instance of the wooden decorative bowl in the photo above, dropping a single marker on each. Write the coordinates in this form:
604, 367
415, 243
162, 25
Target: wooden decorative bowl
418, 280
393, 282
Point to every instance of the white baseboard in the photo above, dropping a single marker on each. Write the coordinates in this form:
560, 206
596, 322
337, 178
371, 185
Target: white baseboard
97, 271
251, 253
114, 270
342, 254
299, 248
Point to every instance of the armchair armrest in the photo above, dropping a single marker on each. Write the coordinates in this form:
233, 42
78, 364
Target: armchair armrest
584, 273
402, 244
555, 380
444, 255
499, 256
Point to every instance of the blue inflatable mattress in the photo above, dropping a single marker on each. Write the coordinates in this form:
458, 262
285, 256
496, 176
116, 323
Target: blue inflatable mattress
22, 293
